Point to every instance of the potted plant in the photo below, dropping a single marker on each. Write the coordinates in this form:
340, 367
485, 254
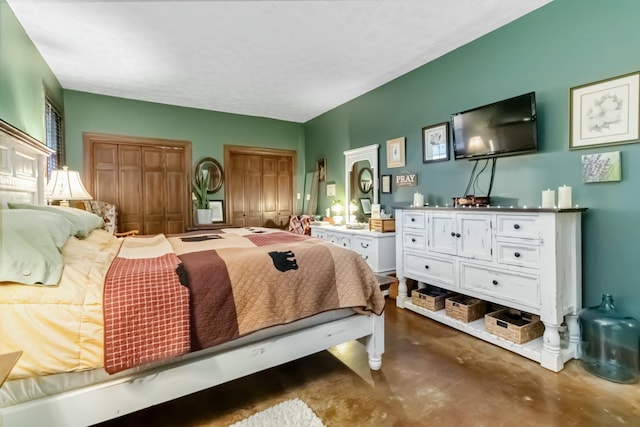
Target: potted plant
199, 188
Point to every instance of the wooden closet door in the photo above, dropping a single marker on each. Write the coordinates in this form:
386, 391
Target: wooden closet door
129, 184
177, 188
147, 179
270, 189
285, 190
259, 187
245, 193
153, 192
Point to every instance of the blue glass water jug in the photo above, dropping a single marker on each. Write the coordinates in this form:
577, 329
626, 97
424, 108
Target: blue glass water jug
609, 342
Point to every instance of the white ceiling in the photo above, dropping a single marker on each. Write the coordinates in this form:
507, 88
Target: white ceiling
289, 60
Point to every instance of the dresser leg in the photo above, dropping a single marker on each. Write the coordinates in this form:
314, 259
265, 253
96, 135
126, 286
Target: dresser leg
402, 291
551, 357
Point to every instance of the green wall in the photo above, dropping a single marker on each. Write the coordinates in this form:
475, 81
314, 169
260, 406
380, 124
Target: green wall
562, 45
24, 78
208, 131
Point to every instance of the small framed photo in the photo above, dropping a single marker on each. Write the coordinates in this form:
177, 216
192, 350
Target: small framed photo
365, 202
605, 112
395, 153
435, 143
217, 210
601, 167
385, 184
331, 190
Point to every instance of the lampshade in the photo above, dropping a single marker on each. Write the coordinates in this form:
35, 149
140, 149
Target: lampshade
65, 185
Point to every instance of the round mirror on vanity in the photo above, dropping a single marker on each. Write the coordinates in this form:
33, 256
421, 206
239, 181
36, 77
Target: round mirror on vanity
365, 180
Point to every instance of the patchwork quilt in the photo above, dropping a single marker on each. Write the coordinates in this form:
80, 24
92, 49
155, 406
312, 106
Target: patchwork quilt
189, 292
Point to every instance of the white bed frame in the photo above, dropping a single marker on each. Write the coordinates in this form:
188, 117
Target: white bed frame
114, 398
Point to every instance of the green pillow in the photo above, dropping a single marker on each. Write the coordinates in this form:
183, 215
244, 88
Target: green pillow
30, 243
82, 222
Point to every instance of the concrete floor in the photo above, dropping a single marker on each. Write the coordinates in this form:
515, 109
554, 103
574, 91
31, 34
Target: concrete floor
431, 375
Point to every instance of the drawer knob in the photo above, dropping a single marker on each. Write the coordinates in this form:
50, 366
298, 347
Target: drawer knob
365, 257
453, 234
413, 240
413, 220
495, 282
426, 267
516, 226
364, 245
457, 234
517, 254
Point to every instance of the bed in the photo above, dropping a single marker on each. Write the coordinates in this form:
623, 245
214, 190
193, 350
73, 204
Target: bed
90, 371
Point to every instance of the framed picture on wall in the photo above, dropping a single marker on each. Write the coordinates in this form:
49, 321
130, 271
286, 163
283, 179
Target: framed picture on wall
385, 184
395, 153
217, 210
435, 143
605, 112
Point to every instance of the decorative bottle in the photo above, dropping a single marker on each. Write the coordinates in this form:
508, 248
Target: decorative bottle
609, 342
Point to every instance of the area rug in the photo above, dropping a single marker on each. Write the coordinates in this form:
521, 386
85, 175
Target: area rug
290, 413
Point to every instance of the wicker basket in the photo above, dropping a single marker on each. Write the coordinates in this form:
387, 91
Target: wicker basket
465, 309
514, 325
432, 298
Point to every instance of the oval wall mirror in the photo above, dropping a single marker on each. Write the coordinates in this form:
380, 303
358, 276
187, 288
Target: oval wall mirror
216, 177
365, 180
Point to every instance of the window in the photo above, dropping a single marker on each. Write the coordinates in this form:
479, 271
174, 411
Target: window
54, 140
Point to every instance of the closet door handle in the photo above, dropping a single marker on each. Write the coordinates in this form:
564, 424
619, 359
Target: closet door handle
457, 234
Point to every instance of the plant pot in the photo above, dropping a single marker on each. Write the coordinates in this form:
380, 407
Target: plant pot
204, 216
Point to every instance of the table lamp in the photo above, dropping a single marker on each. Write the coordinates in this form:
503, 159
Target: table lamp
65, 185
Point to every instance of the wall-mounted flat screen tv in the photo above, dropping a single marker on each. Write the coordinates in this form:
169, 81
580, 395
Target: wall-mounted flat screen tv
504, 128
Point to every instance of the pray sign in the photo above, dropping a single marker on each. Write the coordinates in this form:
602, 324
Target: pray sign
407, 180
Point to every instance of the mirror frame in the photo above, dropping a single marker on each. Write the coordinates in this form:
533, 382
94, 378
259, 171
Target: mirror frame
211, 163
369, 153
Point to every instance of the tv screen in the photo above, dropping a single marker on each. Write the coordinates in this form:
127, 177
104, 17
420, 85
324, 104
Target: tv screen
504, 128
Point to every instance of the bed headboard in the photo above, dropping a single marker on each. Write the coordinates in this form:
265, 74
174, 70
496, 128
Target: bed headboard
23, 162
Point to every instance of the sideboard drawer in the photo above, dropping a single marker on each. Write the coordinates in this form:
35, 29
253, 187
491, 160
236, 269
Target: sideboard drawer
412, 219
519, 254
431, 270
414, 240
521, 288
518, 226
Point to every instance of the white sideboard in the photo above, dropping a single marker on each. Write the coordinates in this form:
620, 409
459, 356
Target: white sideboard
527, 259
377, 249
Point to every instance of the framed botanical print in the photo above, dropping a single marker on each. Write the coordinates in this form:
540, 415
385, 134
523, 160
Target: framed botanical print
435, 143
605, 112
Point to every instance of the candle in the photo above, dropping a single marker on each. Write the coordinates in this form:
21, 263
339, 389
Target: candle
564, 197
548, 199
418, 200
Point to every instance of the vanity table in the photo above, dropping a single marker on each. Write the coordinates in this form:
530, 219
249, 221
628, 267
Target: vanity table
377, 249
361, 180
